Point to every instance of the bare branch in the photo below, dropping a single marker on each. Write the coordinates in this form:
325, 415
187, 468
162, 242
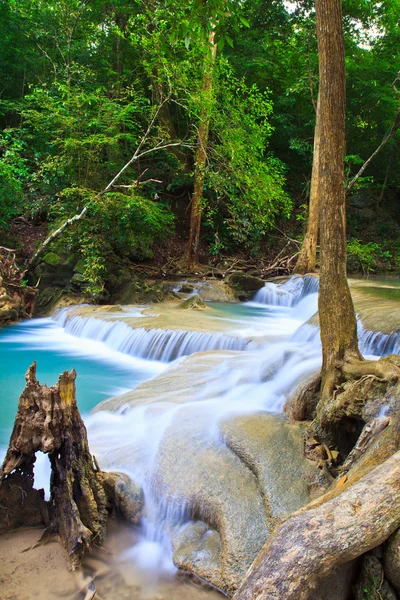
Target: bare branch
135, 157
388, 136
57, 233
49, 58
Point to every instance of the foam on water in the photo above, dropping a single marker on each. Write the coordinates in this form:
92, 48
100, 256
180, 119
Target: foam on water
258, 380
129, 440
164, 345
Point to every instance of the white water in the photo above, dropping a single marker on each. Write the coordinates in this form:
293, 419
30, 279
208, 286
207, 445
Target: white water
163, 345
129, 440
259, 380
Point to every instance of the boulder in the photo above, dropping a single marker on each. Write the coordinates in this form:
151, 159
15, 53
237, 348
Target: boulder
193, 303
227, 482
244, 285
391, 560
123, 493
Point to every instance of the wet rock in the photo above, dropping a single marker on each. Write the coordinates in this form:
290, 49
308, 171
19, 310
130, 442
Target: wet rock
244, 285
123, 493
391, 560
186, 289
232, 482
371, 583
302, 404
193, 303
338, 585
47, 300
197, 547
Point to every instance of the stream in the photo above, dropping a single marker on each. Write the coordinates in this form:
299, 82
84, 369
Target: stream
266, 350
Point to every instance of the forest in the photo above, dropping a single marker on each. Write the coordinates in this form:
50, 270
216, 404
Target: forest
166, 121
199, 228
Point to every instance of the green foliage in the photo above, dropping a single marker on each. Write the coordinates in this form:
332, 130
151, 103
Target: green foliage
244, 181
117, 224
368, 254
11, 196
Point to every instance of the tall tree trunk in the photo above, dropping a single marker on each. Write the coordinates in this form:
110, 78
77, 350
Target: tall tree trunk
336, 311
201, 155
307, 258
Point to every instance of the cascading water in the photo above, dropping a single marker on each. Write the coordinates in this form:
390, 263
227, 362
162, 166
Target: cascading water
133, 439
288, 293
163, 345
370, 343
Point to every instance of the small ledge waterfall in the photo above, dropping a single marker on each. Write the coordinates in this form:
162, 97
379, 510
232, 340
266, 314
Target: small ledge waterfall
289, 293
163, 345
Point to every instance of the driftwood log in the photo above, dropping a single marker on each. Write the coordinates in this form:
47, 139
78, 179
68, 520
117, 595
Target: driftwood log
48, 420
335, 529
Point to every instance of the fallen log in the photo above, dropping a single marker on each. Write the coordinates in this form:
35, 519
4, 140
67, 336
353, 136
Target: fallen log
48, 420
312, 541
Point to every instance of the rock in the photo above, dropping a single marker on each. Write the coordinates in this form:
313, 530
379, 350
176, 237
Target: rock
244, 285
51, 258
303, 402
80, 266
197, 547
232, 482
186, 289
123, 493
193, 303
47, 299
338, 585
391, 560
371, 583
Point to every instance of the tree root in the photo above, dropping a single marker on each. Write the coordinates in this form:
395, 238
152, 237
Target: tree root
332, 530
363, 382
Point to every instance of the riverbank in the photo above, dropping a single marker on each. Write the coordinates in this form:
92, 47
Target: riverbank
28, 573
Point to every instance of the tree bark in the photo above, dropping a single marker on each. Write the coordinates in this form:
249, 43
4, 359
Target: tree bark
306, 547
201, 155
307, 259
48, 420
335, 305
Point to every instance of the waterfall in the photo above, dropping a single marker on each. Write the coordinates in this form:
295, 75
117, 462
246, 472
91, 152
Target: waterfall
288, 293
163, 345
374, 343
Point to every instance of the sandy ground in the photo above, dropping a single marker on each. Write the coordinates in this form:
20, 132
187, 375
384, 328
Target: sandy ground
42, 573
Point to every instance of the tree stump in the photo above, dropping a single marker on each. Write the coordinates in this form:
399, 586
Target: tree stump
48, 420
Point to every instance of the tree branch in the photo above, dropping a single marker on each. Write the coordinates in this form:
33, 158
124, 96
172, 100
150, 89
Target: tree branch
388, 136
136, 156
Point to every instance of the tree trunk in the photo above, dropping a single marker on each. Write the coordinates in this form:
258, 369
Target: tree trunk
305, 548
201, 156
335, 305
48, 420
307, 258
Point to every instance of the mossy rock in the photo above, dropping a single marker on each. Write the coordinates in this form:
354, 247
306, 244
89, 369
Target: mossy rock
51, 258
78, 280
80, 266
371, 584
47, 299
244, 285
194, 303
186, 289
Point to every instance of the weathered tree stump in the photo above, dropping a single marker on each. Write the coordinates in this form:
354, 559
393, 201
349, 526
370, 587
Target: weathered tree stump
48, 420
